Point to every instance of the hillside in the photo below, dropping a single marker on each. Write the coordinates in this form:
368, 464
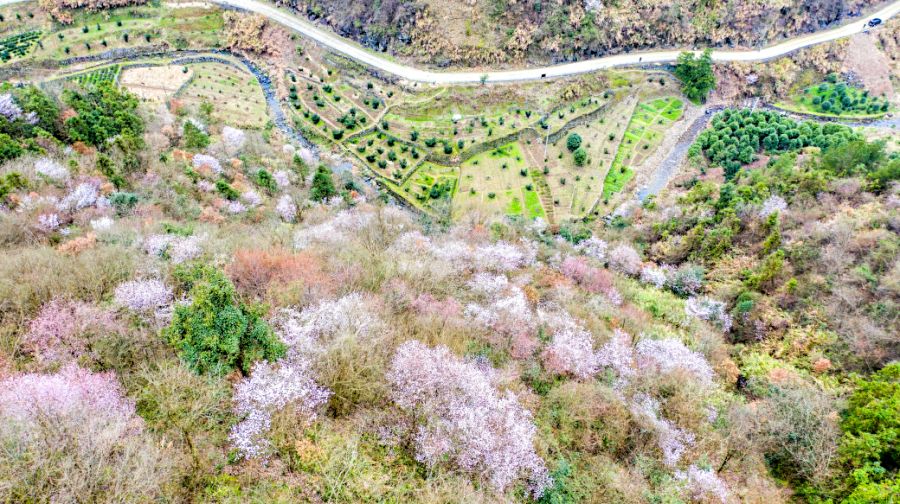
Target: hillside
491, 32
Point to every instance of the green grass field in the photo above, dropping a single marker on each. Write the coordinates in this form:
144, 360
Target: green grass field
493, 182
236, 94
96, 77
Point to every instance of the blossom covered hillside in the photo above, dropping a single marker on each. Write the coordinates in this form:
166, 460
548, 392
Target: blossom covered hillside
195, 312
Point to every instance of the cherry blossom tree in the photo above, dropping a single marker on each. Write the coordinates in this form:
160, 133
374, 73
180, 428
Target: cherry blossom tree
233, 139
269, 389
461, 418
143, 296
72, 436
63, 330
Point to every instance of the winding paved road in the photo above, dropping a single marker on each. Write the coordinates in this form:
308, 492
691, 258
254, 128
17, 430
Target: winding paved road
356, 52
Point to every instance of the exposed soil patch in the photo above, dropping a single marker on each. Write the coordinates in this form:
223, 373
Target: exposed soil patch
869, 64
157, 83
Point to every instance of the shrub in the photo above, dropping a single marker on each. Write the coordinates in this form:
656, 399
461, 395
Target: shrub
225, 189
25, 285
123, 202
254, 271
194, 137
798, 432
579, 156
870, 445
216, 333
191, 411
72, 436
573, 142
463, 420
322, 185
265, 180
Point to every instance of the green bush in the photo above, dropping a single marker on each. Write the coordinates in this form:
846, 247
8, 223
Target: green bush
265, 180
870, 445
226, 190
696, 75
573, 142
216, 333
322, 184
580, 156
102, 112
123, 202
193, 137
9, 148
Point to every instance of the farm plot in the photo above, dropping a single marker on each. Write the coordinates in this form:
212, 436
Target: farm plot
16, 46
155, 83
89, 38
837, 99
236, 94
339, 107
575, 188
455, 128
21, 17
385, 155
644, 134
561, 116
95, 77
498, 182
431, 183
470, 115
93, 33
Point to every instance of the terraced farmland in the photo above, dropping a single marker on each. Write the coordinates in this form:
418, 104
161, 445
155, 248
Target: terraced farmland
16, 46
644, 133
96, 77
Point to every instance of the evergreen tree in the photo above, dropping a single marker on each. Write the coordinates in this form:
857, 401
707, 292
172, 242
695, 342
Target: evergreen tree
696, 75
322, 185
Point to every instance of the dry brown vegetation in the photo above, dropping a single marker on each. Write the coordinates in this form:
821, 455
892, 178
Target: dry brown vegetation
59, 8
254, 33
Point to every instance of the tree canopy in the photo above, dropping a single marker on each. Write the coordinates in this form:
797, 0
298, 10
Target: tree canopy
102, 112
696, 75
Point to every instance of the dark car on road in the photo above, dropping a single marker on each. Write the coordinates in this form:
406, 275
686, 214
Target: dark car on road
874, 22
